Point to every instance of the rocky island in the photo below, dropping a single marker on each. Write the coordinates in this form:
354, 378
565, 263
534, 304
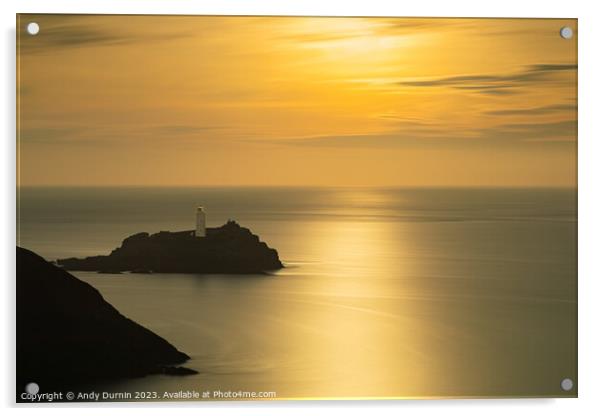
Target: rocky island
229, 249
69, 336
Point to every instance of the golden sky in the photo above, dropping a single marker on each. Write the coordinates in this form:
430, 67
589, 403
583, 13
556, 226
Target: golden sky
182, 100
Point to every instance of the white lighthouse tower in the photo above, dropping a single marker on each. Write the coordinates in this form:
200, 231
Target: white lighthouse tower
200, 223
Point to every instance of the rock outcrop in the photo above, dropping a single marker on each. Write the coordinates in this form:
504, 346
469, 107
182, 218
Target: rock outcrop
229, 249
68, 335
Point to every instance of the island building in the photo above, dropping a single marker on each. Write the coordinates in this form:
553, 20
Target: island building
201, 229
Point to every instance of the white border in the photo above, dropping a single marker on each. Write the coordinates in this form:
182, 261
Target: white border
590, 200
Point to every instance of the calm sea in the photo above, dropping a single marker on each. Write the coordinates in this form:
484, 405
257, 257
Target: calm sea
386, 292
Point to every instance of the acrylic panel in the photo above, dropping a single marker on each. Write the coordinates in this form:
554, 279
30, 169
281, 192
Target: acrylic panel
286, 208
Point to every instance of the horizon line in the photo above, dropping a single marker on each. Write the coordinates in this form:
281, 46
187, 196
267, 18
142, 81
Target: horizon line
575, 186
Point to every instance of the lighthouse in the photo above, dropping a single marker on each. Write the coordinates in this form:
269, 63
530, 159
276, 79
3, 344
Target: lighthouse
200, 223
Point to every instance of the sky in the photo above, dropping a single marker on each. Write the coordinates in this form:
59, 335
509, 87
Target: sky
296, 101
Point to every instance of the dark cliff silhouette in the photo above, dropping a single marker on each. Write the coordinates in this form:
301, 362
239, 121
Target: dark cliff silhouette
68, 335
227, 249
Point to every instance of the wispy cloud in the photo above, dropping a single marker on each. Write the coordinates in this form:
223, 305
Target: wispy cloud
497, 84
78, 134
566, 129
49, 134
415, 135
54, 37
317, 37
414, 25
184, 129
534, 111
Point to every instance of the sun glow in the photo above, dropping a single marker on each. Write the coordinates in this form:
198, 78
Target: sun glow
354, 47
